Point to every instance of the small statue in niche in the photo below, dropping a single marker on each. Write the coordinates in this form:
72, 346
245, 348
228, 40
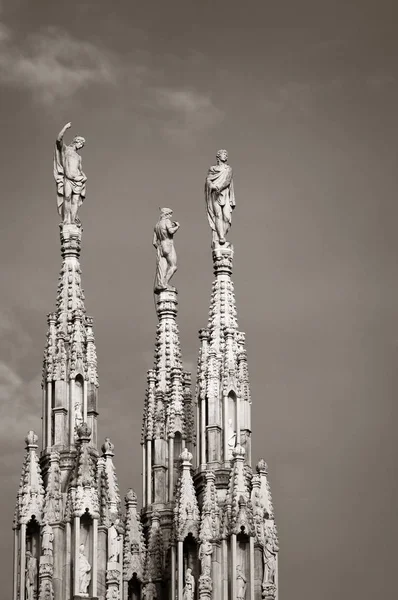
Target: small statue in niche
149, 592
220, 197
47, 539
69, 177
270, 550
189, 588
166, 257
231, 438
84, 571
114, 542
205, 552
240, 584
31, 576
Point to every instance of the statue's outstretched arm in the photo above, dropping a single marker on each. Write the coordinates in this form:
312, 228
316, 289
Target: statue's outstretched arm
62, 133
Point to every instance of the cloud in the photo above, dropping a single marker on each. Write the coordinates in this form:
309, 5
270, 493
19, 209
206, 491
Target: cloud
187, 112
52, 64
20, 400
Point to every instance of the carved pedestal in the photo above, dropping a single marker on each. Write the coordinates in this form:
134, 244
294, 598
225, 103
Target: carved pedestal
268, 591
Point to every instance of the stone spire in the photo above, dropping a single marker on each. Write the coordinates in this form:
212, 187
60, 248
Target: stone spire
223, 393
237, 526
70, 379
168, 424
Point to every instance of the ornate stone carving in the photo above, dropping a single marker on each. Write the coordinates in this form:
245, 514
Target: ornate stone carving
186, 512
220, 197
69, 177
166, 258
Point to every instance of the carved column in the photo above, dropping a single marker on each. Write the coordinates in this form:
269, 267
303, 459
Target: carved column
144, 475
233, 565
251, 550
180, 570
171, 468
225, 425
76, 586
71, 413
68, 560
94, 567
15, 565
22, 539
224, 558
49, 414
173, 572
149, 473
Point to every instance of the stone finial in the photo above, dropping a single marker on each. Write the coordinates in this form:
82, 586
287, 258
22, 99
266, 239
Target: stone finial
108, 448
238, 451
186, 456
131, 498
84, 433
262, 467
31, 440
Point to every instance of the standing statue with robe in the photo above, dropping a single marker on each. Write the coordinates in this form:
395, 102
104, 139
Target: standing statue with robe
31, 576
69, 177
166, 258
270, 549
240, 584
220, 197
189, 588
47, 539
84, 571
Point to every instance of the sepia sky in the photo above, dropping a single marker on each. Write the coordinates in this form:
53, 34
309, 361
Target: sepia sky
304, 96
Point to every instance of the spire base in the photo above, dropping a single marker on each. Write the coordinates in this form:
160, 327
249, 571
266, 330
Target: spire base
223, 259
71, 237
166, 303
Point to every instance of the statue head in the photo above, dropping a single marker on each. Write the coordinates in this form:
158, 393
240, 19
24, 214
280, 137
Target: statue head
81, 548
78, 142
166, 213
222, 156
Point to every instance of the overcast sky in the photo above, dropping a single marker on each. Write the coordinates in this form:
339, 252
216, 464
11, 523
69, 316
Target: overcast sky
303, 94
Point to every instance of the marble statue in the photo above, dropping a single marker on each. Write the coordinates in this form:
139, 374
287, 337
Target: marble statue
149, 592
47, 539
240, 584
69, 177
114, 543
166, 258
220, 197
189, 588
269, 559
84, 571
231, 438
31, 576
205, 552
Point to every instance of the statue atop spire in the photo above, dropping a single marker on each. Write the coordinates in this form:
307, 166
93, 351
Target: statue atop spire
69, 177
220, 198
166, 258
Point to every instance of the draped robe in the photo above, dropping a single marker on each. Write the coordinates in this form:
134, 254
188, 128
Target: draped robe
221, 176
69, 177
